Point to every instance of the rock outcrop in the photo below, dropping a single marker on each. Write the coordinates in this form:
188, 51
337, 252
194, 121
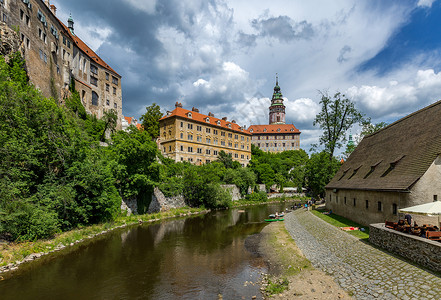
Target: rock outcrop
10, 42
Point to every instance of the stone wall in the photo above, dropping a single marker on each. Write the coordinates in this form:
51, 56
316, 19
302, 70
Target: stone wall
278, 195
233, 190
130, 206
161, 203
419, 250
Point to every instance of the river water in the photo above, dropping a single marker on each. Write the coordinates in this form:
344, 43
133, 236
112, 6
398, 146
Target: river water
199, 257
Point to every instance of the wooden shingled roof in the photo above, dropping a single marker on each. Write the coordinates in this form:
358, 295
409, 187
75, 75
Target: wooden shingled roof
395, 157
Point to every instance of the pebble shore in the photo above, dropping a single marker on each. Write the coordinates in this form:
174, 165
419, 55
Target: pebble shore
359, 268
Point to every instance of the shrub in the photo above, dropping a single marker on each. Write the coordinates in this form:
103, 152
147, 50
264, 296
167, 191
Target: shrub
257, 197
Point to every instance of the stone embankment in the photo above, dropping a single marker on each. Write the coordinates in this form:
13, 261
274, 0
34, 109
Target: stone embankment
358, 267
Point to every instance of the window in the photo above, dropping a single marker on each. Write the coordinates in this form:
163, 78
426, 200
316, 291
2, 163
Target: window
190, 149
64, 40
345, 200
190, 137
107, 76
222, 133
435, 198
207, 161
94, 69
235, 145
380, 207
45, 58
236, 136
182, 124
169, 148
241, 156
236, 155
199, 138
41, 54
214, 131
107, 87
214, 152
230, 144
243, 147
367, 204
208, 151
94, 98
208, 141
107, 102
258, 144
199, 128
21, 14
182, 148
222, 143
68, 44
394, 209
182, 135
354, 202
207, 130
292, 144
199, 150
114, 90
54, 32
93, 81
42, 18
114, 80
190, 126
230, 135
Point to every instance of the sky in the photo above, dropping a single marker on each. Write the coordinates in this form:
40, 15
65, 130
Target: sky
222, 56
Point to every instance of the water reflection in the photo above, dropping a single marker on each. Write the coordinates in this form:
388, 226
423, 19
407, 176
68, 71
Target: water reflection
193, 258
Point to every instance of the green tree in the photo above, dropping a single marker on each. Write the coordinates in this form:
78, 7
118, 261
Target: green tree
319, 171
150, 120
227, 160
110, 118
337, 116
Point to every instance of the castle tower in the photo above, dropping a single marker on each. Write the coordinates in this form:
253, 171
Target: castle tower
277, 109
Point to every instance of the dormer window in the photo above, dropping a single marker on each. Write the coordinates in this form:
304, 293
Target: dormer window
278, 129
392, 166
292, 129
229, 125
189, 115
264, 130
251, 130
218, 122
207, 119
372, 169
355, 172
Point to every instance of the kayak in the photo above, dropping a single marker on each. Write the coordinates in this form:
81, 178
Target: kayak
273, 220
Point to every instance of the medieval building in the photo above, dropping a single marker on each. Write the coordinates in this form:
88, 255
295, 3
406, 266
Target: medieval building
191, 136
276, 136
54, 55
396, 167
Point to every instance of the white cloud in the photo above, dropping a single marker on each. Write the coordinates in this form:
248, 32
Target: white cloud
425, 3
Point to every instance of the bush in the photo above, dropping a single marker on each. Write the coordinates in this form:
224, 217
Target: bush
257, 197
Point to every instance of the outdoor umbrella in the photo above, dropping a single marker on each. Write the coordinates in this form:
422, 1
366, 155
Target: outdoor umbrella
427, 209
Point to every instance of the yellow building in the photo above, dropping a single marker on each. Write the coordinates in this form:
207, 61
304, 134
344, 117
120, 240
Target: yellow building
190, 136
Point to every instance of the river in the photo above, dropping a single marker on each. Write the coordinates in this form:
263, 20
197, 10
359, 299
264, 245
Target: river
199, 257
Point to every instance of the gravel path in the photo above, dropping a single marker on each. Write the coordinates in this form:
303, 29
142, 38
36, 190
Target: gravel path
359, 268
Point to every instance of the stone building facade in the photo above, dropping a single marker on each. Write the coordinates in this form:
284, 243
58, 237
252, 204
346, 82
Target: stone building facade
397, 167
54, 55
276, 136
190, 136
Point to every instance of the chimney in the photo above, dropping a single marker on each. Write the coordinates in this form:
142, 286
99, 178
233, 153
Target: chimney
53, 9
70, 24
233, 121
47, 2
224, 118
177, 104
195, 109
211, 114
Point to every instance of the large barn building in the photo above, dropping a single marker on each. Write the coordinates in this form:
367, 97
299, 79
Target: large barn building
397, 167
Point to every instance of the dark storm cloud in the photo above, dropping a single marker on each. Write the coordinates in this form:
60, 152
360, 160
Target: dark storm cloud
283, 28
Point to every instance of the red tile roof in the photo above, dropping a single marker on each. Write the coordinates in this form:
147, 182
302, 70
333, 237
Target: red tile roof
89, 52
129, 119
139, 126
273, 128
195, 116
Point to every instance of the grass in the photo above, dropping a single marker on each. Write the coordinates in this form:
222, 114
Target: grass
289, 258
339, 221
13, 252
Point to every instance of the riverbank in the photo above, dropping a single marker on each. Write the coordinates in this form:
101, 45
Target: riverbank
12, 255
291, 275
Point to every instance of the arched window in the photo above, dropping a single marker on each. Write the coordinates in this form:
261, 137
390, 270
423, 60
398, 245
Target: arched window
94, 98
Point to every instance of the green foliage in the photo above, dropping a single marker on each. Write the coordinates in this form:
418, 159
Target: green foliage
74, 104
257, 197
243, 178
150, 120
227, 160
319, 171
278, 286
337, 116
53, 175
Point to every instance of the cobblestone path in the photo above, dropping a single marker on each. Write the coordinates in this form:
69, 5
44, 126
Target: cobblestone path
362, 270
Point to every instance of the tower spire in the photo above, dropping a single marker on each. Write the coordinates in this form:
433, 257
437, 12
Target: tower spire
277, 109
277, 79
